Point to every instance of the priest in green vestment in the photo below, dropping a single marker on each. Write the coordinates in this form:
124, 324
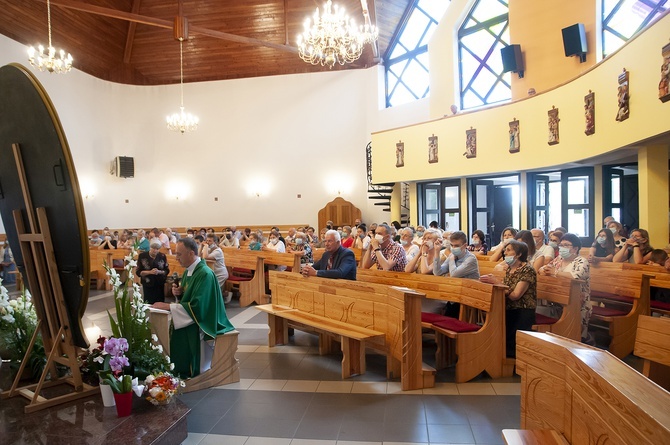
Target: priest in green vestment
199, 316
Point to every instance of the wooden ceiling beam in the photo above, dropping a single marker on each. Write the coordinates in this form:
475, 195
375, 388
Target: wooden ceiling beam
167, 24
131, 33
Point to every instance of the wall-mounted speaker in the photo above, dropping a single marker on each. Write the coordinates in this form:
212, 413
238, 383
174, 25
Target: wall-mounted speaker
124, 167
512, 59
574, 41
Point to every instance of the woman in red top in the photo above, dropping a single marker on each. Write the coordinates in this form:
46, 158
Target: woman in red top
347, 239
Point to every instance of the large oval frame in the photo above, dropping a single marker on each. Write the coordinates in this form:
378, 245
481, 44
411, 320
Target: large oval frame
29, 119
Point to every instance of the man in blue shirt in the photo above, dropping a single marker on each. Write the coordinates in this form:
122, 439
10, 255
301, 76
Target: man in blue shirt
336, 262
461, 263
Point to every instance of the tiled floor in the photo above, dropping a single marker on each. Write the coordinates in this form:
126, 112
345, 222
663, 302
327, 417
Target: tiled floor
291, 395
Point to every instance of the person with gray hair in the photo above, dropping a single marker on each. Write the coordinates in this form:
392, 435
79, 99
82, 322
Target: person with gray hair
384, 252
153, 269
336, 262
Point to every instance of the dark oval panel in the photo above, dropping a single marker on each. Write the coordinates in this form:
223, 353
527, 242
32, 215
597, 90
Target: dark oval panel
28, 118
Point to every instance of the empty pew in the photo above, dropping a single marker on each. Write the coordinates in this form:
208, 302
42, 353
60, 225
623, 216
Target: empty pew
477, 348
652, 343
587, 395
245, 272
615, 281
359, 315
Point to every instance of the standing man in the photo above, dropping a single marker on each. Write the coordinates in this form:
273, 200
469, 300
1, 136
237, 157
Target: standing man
336, 262
461, 263
384, 252
198, 317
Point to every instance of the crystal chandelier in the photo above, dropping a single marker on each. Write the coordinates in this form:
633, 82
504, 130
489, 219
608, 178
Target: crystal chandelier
45, 59
333, 38
182, 122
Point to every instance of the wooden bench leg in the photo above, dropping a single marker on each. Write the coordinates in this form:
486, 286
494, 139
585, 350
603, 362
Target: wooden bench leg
445, 351
278, 334
353, 357
325, 344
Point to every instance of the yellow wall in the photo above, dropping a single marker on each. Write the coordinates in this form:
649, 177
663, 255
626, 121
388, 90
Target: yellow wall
536, 26
649, 117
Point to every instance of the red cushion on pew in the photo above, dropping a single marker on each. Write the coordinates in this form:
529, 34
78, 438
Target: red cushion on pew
453, 324
431, 317
242, 270
607, 312
236, 278
654, 305
543, 319
607, 296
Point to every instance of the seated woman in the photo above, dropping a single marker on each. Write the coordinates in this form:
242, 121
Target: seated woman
521, 301
302, 248
568, 263
406, 238
478, 246
554, 240
602, 248
8, 264
125, 240
636, 250
362, 239
254, 242
498, 250
108, 243
423, 262
276, 245
347, 239
619, 235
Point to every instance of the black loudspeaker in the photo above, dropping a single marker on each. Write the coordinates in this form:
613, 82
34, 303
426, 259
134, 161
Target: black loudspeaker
574, 41
512, 59
125, 167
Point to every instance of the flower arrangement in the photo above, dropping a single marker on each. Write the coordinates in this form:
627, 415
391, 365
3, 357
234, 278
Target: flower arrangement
116, 360
161, 387
145, 356
18, 321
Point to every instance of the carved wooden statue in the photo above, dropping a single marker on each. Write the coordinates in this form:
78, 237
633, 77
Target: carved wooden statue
470, 143
514, 141
664, 84
400, 154
553, 126
590, 113
432, 149
623, 97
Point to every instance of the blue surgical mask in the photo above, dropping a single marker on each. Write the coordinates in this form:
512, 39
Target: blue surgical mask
509, 259
298, 240
419, 233
553, 244
403, 242
361, 236
613, 230
564, 252
601, 240
457, 251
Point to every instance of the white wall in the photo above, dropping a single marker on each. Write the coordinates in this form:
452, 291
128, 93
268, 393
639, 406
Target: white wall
285, 135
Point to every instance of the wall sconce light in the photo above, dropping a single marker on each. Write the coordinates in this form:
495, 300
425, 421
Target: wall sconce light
512, 59
258, 187
177, 191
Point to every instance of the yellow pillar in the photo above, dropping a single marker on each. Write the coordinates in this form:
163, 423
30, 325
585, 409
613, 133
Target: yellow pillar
396, 200
523, 201
597, 198
653, 193
413, 204
464, 206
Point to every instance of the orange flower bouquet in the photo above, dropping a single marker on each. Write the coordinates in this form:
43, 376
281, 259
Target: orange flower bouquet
162, 387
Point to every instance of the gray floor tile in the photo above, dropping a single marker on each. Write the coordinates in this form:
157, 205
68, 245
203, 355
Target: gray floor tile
233, 426
319, 429
450, 434
276, 428
405, 432
202, 423
353, 430
492, 433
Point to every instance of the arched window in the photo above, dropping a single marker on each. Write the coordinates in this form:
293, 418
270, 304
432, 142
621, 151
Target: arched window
624, 18
484, 32
406, 61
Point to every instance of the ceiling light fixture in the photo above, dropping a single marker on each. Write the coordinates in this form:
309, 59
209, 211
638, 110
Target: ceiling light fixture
182, 122
333, 38
48, 60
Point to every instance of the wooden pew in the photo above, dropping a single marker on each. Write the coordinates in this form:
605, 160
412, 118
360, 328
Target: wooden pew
587, 395
245, 272
477, 348
615, 280
225, 367
360, 315
652, 343
662, 281
270, 258
97, 259
318, 253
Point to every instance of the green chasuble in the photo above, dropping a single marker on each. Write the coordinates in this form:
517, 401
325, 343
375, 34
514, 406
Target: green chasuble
203, 301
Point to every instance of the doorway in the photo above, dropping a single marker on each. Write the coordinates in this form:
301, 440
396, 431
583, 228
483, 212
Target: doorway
494, 203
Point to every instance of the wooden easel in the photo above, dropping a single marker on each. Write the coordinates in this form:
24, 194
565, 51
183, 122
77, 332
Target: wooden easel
53, 324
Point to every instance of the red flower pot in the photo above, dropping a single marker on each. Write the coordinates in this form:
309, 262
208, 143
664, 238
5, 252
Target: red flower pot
124, 403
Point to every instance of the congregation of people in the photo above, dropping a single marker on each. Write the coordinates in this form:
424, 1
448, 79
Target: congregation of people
520, 256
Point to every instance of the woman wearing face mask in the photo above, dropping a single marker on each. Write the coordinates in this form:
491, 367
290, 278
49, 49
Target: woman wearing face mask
568, 263
346, 238
636, 250
275, 244
521, 295
362, 239
478, 245
254, 243
411, 249
499, 251
602, 248
302, 248
554, 238
617, 231
423, 262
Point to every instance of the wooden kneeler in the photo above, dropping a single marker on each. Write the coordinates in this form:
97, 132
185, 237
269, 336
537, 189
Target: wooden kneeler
225, 367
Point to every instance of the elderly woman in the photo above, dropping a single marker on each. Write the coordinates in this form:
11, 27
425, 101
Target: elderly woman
411, 249
636, 250
152, 268
302, 248
568, 263
347, 238
423, 262
521, 295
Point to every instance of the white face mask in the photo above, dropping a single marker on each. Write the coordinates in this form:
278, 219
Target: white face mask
298, 241
429, 244
404, 242
613, 230
379, 238
273, 241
